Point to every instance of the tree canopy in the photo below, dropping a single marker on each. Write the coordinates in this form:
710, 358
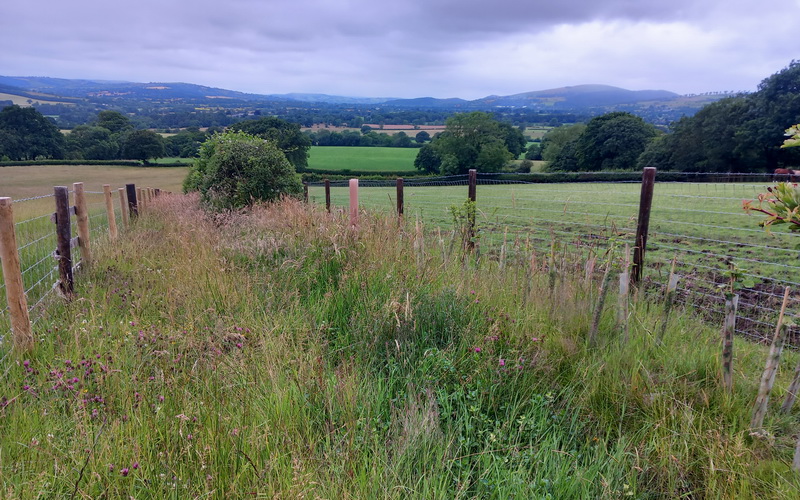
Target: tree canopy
142, 145
26, 134
285, 135
737, 134
612, 141
470, 140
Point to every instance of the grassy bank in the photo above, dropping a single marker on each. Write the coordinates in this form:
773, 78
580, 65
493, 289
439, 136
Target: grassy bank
281, 353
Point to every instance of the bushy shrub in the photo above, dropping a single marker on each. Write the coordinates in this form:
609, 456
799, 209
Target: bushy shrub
236, 169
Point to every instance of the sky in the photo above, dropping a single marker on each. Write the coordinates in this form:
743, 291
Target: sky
404, 48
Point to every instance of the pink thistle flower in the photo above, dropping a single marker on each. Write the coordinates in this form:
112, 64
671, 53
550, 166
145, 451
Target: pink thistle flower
239, 345
477, 349
135, 465
124, 472
502, 362
111, 467
26, 363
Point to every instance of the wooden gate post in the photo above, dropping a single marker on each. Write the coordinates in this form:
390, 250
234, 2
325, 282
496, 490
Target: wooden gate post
400, 207
645, 203
305, 192
112, 218
328, 195
21, 333
133, 205
123, 207
82, 214
63, 236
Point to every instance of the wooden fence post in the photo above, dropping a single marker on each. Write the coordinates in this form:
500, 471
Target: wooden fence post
64, 237
82, 214
472, 196
21, 333
328, 195
643, 222
305, 192
400, 201
123, 207
791, 392
133, 202
728, 329
354, 201
142, 200
112, 218
771, 368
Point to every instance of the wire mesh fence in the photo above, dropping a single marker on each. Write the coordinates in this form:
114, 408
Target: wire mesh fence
35, 232
699, 225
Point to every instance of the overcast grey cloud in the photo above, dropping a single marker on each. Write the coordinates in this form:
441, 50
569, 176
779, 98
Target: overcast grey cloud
404, 48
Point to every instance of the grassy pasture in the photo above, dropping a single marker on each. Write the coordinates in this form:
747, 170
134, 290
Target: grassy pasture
361, 159
282, 354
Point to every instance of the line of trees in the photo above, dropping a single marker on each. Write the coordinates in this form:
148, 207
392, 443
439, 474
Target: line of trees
367, 138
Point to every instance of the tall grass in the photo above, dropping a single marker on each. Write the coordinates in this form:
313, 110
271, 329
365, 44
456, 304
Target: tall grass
282, 353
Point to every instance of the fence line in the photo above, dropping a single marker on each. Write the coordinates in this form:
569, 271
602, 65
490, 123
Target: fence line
36, 246
698, 223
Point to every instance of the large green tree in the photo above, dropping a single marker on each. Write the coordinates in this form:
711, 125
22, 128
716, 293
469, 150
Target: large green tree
285, 135
142, 145
85, 142
556, 138
114, 121
470, 140
612, 141
26, 134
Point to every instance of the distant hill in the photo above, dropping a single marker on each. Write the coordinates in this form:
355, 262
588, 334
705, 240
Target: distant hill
577, 98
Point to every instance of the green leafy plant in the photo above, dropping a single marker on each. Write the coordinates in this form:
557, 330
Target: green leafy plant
793, 133
737, 279
781, 205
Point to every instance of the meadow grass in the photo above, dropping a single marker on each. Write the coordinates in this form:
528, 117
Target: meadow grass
362, 159
280, 352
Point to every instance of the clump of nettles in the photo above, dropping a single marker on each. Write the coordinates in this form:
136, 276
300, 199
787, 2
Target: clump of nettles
235, 169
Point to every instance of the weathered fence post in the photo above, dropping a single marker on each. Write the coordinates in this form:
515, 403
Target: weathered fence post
21, 334
771, 368
112, 218
82, 214
328, 195
728, 329
669, 297
64, 236
133, 202
623, 304
400, 207
123, 207
796, 461
305, 192
472, 191
353, 202
141, 194
791, 392
643, 222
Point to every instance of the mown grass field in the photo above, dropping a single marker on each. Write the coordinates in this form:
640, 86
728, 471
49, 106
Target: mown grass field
362, 159
282, 354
